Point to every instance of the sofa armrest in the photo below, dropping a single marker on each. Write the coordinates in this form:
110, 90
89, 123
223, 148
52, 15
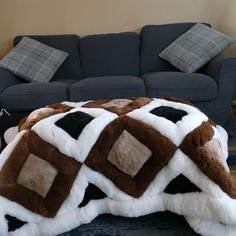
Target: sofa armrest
222, 69
7, 79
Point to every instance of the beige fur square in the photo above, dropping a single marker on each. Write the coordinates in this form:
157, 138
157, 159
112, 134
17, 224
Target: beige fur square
37, 175
121, 103
128, 154
214, 148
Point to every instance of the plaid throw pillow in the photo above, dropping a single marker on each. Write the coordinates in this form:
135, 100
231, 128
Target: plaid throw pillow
33, 61
195, 48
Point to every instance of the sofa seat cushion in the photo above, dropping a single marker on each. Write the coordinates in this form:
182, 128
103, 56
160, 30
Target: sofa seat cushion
30, 96
193, 87
107, 87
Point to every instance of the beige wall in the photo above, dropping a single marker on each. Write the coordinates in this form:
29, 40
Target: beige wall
101, 16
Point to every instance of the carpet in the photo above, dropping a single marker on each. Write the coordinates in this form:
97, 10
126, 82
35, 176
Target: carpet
162, 223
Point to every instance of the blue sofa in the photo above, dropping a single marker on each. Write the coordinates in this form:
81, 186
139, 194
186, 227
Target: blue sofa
122, 65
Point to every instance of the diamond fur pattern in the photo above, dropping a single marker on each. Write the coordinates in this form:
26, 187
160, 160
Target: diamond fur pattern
211, 207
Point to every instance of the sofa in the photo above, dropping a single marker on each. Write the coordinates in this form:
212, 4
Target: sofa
120, 65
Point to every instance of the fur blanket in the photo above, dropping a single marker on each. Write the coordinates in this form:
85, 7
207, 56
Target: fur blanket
70, 162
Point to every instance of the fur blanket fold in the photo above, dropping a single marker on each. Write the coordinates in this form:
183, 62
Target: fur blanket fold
70, 162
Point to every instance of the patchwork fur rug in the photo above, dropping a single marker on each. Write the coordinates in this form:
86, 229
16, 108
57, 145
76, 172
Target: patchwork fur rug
67, 163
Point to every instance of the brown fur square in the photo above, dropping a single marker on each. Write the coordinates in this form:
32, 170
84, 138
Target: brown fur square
66, 167
194, 145
57, 108
161, 147
134, 104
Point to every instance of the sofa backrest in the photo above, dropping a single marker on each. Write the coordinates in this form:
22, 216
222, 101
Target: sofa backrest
110, 54
71, 68
153, 39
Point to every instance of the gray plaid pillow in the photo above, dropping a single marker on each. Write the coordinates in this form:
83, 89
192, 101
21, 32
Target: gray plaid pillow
33, 60
195, 48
